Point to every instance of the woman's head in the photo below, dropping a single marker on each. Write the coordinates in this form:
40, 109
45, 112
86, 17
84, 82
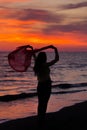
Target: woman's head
41, 58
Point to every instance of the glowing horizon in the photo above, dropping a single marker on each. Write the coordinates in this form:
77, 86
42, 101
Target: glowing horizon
42, 23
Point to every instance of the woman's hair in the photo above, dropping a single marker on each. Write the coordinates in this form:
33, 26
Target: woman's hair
41, 58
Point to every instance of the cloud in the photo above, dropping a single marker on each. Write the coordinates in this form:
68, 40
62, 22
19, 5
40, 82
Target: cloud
30, 14
75, 27
40, 15
7, 1
74, 6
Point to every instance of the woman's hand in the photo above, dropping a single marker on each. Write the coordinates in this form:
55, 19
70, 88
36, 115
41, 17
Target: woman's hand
53, 47
30, 46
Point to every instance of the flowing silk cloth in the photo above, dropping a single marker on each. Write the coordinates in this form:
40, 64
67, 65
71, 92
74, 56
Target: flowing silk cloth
20, 59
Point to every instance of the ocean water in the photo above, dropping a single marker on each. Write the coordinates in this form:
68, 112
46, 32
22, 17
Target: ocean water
18, 97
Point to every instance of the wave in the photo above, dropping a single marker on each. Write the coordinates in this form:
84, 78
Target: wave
67, 85
65, 92
7, 98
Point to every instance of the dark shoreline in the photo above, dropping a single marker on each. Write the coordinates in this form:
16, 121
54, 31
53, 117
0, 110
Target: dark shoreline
69, 118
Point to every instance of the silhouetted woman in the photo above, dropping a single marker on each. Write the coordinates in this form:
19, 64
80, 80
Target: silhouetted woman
42, 71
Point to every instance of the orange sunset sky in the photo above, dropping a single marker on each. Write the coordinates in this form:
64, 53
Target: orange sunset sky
62, 23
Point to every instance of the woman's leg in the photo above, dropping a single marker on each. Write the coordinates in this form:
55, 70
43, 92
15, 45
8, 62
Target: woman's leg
42, 105
44, 91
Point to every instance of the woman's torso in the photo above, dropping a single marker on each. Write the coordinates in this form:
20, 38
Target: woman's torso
43, 74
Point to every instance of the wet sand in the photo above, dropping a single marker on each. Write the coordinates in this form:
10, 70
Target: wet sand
69, 118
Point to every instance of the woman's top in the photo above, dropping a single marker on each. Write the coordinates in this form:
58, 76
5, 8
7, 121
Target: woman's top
43, 73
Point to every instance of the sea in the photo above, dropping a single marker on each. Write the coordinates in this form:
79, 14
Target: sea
18, 90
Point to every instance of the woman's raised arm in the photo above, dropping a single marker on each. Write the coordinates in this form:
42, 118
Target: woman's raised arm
42, 48
56, 58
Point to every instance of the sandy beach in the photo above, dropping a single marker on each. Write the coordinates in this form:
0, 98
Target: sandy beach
70, 118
